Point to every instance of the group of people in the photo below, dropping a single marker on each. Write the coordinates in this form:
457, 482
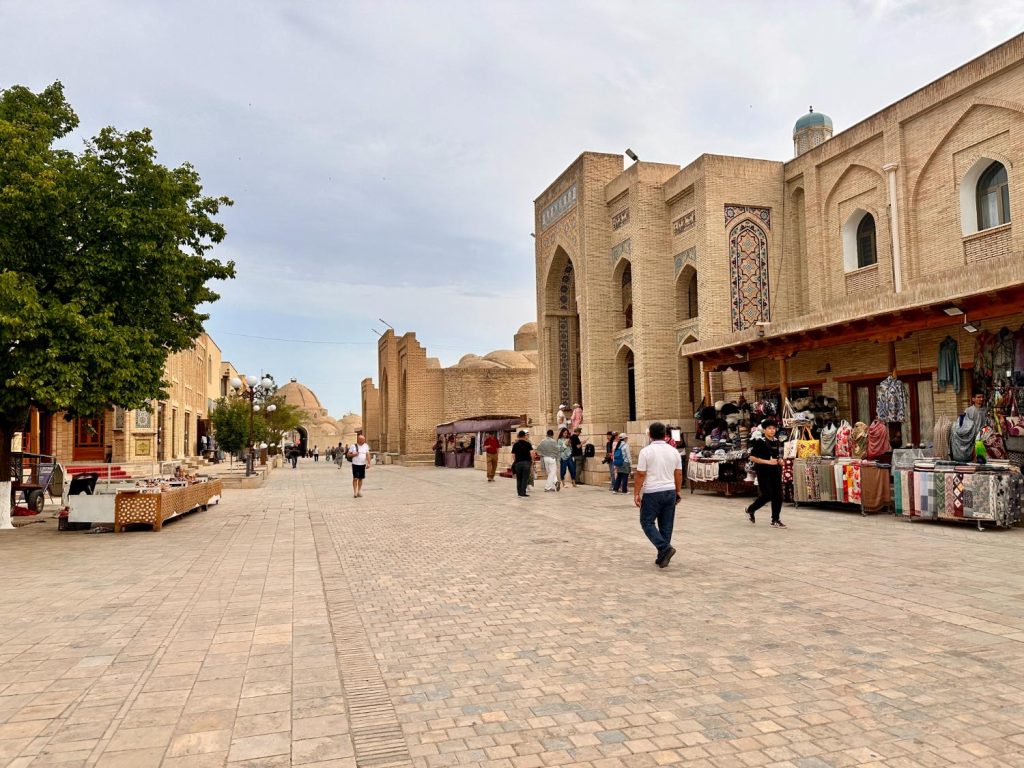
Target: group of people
559, 456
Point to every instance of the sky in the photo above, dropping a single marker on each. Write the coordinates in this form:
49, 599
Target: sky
383, 157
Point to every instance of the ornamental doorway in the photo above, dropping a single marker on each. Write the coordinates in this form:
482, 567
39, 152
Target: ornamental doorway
562, 334
89, 441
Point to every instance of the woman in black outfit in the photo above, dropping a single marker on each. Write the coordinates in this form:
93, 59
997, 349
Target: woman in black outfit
766, 455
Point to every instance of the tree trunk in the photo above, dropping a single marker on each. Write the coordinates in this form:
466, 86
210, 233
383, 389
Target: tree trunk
5, 477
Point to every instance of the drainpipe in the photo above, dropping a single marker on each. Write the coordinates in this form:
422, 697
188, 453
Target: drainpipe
894, 227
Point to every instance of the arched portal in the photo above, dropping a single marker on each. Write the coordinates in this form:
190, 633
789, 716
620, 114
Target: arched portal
303, 440
686, 295
562, 334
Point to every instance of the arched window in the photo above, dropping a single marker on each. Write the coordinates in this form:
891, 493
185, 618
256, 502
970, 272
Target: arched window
867, 253
993, 197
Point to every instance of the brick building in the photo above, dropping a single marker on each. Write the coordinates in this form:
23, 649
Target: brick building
416, 394
659, 286
170, 430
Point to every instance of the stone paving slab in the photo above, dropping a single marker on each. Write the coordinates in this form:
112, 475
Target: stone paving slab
442, 621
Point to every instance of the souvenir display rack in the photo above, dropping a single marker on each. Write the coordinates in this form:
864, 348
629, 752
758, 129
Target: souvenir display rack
944, 490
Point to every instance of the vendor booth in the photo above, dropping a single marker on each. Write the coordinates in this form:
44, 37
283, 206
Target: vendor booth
459, 442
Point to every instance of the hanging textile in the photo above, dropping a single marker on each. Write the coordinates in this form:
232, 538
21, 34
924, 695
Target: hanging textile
1003, 357
961, 439
828, 439
984, 349
891, 404
844, 440
1018, 356
949, 365
859, 440
878, 439
940, 437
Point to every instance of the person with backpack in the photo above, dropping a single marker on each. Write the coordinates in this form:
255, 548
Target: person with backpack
608, 448
565, 458
623, 461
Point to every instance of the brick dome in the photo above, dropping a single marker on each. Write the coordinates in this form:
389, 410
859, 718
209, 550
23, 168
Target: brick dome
301, 396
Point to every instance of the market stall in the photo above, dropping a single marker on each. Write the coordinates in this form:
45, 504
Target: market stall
722, 472
856, 482
459, 442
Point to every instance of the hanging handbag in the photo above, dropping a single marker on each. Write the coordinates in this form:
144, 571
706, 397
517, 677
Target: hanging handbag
789, 447
807, 445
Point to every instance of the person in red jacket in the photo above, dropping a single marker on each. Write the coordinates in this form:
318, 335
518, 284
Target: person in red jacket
491, 446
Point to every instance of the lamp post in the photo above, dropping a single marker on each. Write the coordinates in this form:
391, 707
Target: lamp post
256, 388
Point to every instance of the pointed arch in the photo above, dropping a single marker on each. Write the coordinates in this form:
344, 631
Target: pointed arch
687, 298
876, 172
1010, 106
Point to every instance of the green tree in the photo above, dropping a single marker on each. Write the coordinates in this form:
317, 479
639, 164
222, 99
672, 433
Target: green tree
103, 266
285, 417
230, 421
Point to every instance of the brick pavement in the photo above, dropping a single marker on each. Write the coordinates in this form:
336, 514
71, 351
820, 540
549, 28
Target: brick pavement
442, 621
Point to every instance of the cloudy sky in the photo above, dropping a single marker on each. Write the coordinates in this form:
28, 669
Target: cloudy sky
383, 156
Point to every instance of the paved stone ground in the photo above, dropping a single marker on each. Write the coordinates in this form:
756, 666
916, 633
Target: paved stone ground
442, 621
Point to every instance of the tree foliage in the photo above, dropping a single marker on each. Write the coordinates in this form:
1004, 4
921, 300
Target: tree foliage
230, 421
103, 263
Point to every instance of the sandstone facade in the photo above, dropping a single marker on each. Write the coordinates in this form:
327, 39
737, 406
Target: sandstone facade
659, 286
415, 393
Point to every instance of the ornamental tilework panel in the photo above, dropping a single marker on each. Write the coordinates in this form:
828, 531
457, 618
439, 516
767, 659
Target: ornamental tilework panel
563, 359
748, 274
764, 214
620, 219
567, 229
689, 256
684, 222
625, 248
566, 288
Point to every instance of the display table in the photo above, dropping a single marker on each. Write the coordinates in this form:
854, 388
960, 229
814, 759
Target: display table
155, 507
726, 477
979, 496
825, 479
455, 460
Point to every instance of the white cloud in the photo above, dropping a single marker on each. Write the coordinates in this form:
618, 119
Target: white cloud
384, 155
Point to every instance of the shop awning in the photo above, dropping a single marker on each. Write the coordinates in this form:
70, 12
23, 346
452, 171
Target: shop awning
479, 424
979, 290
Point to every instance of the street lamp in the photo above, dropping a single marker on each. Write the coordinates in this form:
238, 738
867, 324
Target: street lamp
256, 388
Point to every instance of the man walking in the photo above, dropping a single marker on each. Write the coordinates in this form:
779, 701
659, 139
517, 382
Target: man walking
522, 454
491, 446
656, 491
547, 449
360, 453
764, 452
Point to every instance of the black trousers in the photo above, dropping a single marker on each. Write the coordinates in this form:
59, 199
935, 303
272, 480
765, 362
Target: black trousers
769, 483
522, 470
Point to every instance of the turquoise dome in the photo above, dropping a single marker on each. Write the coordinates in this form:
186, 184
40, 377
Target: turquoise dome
812, 118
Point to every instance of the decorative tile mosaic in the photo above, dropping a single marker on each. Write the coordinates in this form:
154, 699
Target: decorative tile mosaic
566, 288
684, 222
567, 229
625, 248
764, 214
563, 360
558, 208
118, 418
748, 274
690, 329
620, 219
689, 256
143, 419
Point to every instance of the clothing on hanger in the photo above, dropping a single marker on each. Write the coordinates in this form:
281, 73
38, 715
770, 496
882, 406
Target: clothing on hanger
948, 372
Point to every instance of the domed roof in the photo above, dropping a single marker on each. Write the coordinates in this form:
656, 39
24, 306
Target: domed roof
508, 358
812, 118
299, 395
530, 327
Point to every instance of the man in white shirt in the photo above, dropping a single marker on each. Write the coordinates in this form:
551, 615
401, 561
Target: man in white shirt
657, 490
360, 453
